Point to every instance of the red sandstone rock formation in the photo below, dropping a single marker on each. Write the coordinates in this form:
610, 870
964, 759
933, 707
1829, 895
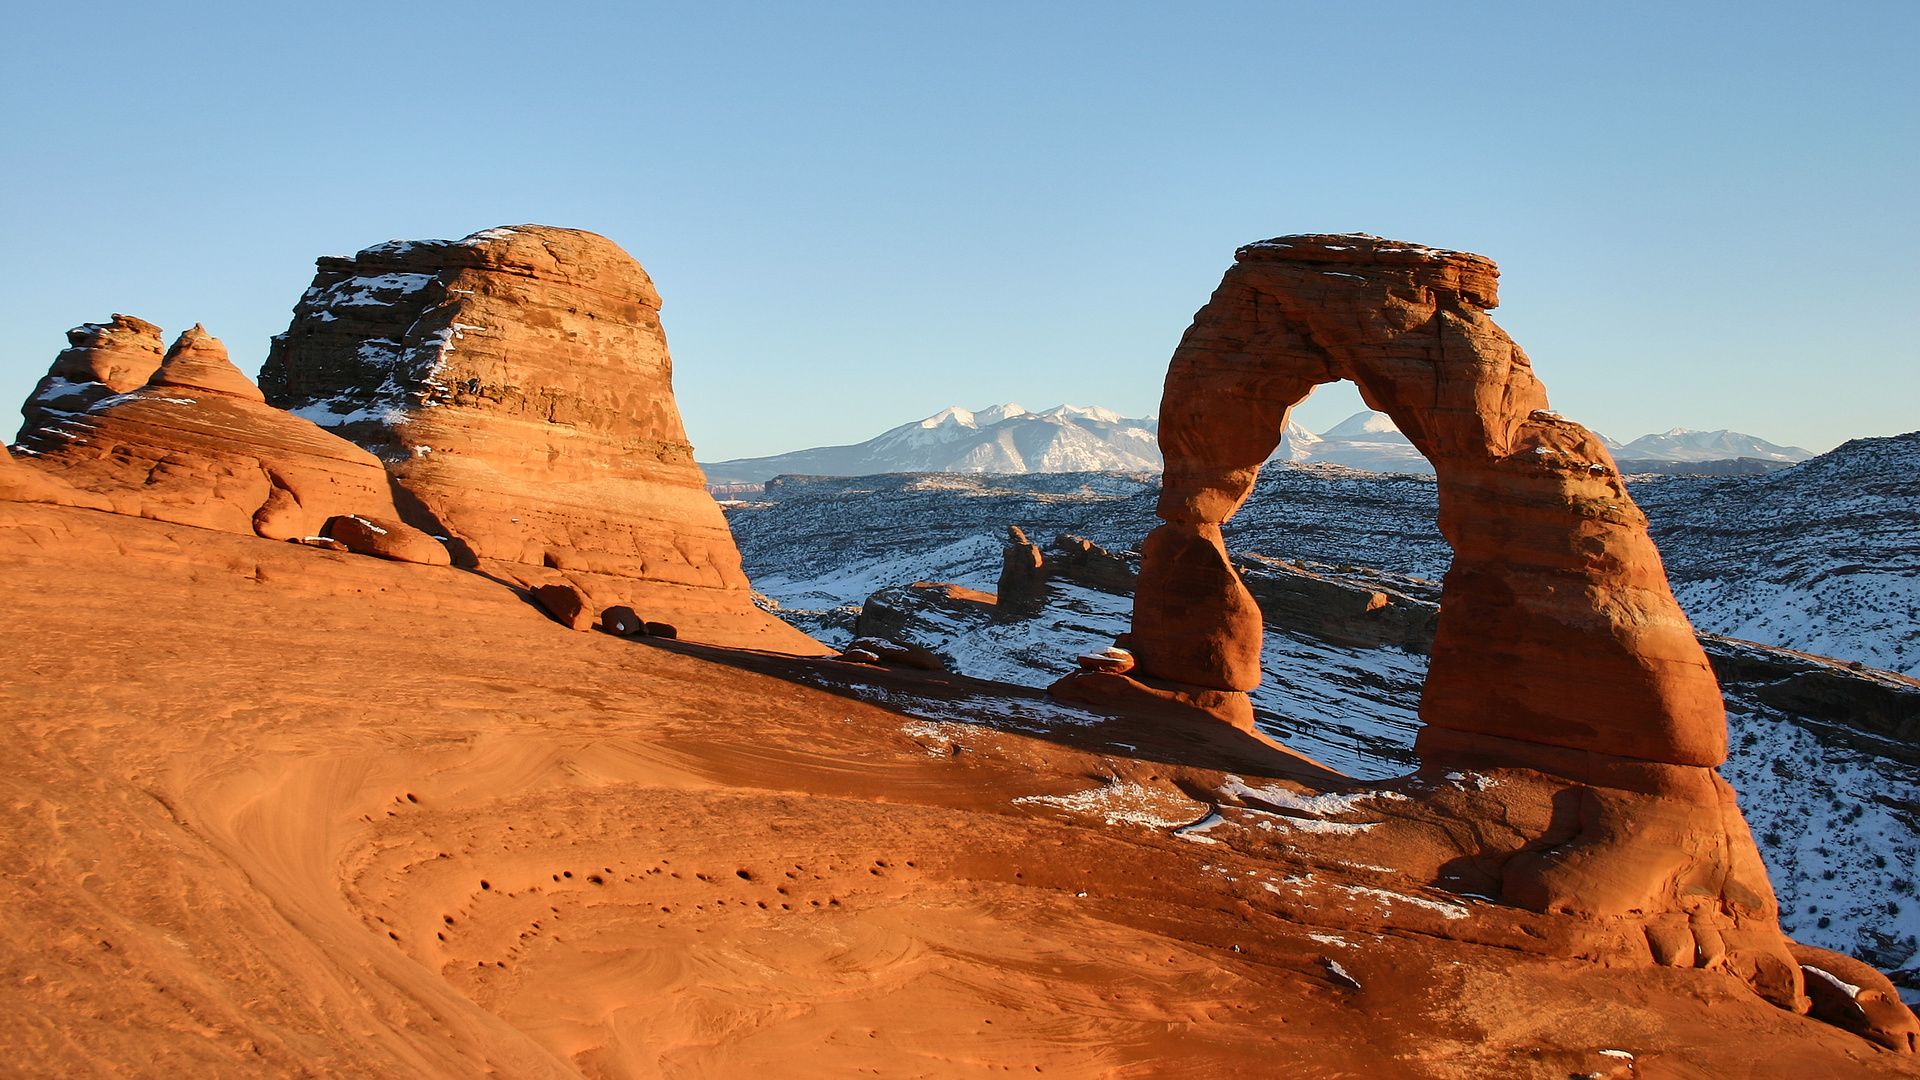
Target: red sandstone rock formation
102, 359
517, 383
197, 445
1561, 662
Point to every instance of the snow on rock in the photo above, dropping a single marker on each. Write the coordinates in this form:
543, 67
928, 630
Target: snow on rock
1818, 557
1002, 439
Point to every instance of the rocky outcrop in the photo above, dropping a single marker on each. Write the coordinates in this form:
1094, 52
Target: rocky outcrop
1086, 562
197, 445
923, 611
518, 386
101, 360
1343, 610
1023, 574
1561, 664
1025, 569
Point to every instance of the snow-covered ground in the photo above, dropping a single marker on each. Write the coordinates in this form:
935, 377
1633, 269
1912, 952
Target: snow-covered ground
1838, 826
1823, 557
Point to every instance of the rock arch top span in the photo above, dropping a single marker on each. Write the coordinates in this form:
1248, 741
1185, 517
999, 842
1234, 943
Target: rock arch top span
1558, 628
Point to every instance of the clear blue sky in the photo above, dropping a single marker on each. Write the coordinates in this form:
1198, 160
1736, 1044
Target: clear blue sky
859, 214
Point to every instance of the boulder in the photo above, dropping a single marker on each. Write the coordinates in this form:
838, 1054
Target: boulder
196, 445
518, 386
566, 604
387, 538
620, 621
661, 630
101, 360
1112, 660
905, 655
1853, 995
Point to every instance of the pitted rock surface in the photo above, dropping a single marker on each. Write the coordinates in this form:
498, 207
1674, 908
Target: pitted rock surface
517, 384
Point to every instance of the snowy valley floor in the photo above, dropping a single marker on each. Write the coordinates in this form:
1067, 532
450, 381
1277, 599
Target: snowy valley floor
1838, 826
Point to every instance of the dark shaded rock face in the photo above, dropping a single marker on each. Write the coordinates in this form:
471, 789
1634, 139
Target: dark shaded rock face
1088, 563
923, 611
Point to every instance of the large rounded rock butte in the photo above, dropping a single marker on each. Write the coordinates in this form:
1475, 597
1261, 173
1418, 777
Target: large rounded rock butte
517, 384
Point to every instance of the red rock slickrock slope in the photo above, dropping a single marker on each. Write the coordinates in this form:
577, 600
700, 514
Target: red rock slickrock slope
198, 445
1561, 662
275, 811
102, 359
518, 386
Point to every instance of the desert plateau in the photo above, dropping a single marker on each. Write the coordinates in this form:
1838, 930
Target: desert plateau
415, 711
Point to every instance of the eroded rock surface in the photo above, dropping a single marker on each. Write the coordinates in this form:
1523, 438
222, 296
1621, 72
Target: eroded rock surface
1562, 667
518, 386
101, 360
197, 445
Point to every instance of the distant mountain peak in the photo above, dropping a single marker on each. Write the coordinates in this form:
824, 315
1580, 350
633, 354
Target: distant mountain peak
998, 439
1012, 439
1365, 422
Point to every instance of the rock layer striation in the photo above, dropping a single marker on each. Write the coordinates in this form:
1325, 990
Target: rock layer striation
518, 386
198, 445
1561, 663
101, 359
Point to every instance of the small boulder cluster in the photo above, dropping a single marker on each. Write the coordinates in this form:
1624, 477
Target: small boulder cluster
572, 609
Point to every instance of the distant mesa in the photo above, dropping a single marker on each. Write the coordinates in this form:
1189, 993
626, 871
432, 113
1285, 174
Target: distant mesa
1007, 439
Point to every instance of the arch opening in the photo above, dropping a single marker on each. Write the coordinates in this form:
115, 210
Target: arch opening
1557, 626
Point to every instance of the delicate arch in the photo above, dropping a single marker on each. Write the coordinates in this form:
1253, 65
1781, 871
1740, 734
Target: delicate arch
1557, 624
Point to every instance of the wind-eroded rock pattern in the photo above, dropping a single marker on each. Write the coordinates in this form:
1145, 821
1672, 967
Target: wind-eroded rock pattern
322, 814
197, 445
518, 386
101, 359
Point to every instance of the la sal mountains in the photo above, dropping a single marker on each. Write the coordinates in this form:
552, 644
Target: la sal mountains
1073, 438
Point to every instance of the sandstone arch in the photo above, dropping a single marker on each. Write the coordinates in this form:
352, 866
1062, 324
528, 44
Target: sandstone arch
1558, 626
1563, 674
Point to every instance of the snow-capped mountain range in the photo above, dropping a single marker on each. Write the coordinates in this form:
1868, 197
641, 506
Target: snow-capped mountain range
1002, 439
1008, 439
